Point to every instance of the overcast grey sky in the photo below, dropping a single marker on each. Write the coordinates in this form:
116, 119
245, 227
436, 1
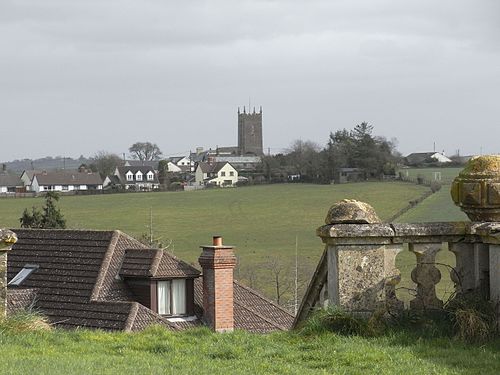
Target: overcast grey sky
81, 76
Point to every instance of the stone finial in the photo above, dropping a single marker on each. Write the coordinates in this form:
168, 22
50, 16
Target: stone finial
350, 211
7, 239
476, 190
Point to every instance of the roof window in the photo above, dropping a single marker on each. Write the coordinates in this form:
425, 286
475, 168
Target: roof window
23, 274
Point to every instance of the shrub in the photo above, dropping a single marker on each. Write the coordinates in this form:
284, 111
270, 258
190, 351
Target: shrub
334, 319
435, 186
473, 317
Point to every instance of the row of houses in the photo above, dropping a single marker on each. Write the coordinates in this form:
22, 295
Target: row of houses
128, 177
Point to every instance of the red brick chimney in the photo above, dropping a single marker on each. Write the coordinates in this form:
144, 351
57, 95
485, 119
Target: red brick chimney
218, 262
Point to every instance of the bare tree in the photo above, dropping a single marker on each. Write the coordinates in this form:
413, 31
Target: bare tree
105, 162
145, 151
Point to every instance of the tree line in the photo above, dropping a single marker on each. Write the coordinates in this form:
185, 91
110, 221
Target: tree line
373, 156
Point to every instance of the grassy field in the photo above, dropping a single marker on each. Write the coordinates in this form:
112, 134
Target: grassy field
444, 174
158, 351
261, 221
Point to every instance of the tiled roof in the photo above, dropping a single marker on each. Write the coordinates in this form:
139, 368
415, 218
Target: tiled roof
155, 263
212, 168
68, 178
20, 299
77, 284
252, 311
10, 180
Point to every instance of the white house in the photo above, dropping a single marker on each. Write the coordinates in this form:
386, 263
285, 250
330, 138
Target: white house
180, 164
64, 181
138, 178
417, 158
219, 174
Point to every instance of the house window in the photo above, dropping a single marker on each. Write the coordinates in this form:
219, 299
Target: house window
130, 176
231, 173
172, 297
138, 176
223, 174
150, 176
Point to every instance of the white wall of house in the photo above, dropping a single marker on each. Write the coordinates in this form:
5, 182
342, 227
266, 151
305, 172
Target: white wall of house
199, 176
173, 168
3, 189
441, 158
226, 176
26, 181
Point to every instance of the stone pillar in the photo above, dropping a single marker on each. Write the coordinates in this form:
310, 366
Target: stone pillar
218, 263
472, 267
495, 278
7, 239
361, 259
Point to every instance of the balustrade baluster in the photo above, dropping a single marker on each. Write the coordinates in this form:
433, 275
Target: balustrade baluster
426, 276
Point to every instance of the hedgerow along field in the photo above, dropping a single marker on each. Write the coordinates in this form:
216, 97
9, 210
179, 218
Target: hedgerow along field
261, 221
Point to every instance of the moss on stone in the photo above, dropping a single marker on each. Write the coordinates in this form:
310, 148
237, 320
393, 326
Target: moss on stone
488, 164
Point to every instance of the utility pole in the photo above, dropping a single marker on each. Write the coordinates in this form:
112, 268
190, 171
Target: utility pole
151, 226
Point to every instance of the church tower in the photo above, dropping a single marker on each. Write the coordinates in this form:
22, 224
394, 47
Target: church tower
250, 132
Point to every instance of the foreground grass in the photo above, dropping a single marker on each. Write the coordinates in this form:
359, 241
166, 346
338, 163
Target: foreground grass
158, 351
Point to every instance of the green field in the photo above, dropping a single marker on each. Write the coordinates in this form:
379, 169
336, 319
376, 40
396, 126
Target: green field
158, 351
261, 221
443, 174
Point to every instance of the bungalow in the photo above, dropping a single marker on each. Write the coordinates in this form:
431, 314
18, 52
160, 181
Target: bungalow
62, 181
10, 183
219, 174
108, 280
138, 178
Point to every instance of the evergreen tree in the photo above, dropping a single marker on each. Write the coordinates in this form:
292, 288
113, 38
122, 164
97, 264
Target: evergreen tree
49, 218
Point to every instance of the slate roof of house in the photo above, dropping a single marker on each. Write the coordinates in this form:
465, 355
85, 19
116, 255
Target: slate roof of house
77, 283
421, 157
212, 168
142, 163
10, 180
68, 178
155, 263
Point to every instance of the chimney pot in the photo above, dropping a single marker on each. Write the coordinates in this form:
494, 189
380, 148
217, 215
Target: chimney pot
217, 241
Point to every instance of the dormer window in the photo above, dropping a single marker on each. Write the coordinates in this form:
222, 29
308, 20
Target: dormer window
172, 297
150, 176
138, 176
130, 176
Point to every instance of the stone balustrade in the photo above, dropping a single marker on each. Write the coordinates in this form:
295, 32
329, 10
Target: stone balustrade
362, 275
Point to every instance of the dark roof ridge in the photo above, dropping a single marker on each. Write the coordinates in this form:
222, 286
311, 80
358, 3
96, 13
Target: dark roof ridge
156, 261
105, 265
129, 323
270, 321
253, 291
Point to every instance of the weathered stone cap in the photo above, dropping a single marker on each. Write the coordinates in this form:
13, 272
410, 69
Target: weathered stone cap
351, 211
488, 165
7, 239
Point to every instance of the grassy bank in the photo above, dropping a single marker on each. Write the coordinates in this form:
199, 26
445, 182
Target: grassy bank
157, 351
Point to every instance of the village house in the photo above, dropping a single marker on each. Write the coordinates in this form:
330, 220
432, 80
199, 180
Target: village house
134, 178
180, 164
419, 158
60, 181
108, 280
218, 174
10, 184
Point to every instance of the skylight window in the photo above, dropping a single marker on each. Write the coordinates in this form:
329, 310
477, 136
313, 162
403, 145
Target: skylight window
23, 274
